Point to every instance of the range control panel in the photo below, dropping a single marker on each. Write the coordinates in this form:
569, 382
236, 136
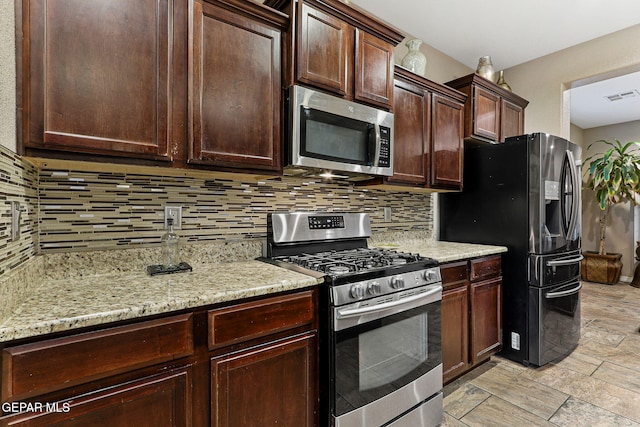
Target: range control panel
325, 222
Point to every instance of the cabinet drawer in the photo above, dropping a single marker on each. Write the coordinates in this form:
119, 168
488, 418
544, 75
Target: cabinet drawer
45, 366
454, 274
247, 321
485, 268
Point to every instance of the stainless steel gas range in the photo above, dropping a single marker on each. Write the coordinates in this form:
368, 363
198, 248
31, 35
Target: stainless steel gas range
380, 337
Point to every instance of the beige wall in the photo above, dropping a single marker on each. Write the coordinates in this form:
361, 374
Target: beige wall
620, 226
544, 80
7, 75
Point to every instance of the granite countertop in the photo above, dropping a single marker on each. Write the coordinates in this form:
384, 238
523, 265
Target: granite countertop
65, 304
443, 251
72, 300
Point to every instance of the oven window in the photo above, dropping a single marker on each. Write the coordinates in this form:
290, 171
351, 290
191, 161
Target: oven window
379, 357
387, 353
332, 137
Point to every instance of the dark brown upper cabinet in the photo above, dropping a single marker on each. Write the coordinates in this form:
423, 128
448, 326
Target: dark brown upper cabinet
97, 76
235, 86
185, 83
340, 48
428, 134
492, 113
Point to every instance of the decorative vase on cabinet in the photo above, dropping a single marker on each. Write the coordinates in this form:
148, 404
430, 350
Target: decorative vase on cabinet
485, 68
414, 60
501, 82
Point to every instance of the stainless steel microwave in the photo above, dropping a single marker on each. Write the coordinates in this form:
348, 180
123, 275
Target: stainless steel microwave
332, 137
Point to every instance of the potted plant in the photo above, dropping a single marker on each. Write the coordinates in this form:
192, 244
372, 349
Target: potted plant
614, 176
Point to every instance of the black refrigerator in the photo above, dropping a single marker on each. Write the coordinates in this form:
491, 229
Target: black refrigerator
525, 194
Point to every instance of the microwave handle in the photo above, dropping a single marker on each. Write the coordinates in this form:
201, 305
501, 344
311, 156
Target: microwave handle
373, 131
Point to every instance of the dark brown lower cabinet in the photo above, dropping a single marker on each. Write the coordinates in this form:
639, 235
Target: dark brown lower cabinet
486, 318
151, 402
455, 331
283, 395
471, 313
251, 363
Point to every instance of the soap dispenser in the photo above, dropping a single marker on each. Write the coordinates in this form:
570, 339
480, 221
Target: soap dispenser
170, 247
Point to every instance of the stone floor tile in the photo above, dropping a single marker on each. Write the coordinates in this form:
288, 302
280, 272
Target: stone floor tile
464, 399
509, 365
497, 412
602, 336
579, 362
593, 390
520, 391
631, 343
449, 421
575, 412
619, 376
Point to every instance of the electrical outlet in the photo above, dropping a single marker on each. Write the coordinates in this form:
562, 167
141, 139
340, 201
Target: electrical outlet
515, 340
174, 212
387, 213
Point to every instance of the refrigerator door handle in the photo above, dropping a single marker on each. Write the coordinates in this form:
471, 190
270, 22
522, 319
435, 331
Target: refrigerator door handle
561, 262
550, 295
575, 205
558, 262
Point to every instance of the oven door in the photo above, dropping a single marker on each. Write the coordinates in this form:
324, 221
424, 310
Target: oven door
388, 358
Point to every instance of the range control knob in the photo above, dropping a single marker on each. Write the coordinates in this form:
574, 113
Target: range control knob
374, 288
430, 275
397, 282
357, 291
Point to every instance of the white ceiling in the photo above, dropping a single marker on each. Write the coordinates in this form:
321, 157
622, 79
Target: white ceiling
514, 32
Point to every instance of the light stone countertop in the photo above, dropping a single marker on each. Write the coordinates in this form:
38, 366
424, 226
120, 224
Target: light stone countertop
442, 251
67, 301
65, 304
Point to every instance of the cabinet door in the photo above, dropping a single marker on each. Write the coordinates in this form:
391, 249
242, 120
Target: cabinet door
447, 145
152, 402
374, 70
266, 386
325, 51
455, 332
410, 151
486, 318
97, 76
511, 120
235, 87
486, 114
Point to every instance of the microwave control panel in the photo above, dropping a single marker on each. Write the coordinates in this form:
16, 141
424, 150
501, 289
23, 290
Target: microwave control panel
385, 147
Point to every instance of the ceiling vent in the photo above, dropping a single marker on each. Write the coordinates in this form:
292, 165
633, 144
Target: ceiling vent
623, 95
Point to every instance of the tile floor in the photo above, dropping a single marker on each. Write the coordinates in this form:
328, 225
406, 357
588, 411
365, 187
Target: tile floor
597, 385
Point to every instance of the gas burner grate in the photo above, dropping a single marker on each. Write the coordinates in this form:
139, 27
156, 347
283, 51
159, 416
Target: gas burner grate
351, 260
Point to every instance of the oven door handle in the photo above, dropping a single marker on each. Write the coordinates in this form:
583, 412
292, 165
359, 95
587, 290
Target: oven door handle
343, 314
550, 295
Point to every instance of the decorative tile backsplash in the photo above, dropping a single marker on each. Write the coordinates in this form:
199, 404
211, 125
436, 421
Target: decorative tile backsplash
69, 210
82, 210
18, 183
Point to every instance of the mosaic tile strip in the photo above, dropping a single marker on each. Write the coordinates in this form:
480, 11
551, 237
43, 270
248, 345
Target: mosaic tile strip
83, 211
18, 182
